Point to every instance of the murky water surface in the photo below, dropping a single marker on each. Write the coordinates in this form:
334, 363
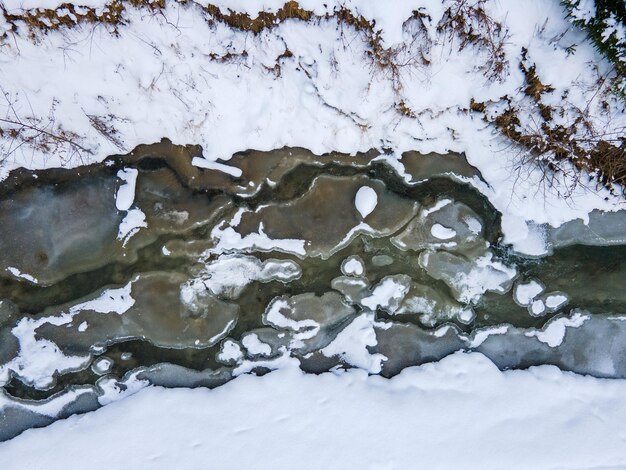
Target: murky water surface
146, 267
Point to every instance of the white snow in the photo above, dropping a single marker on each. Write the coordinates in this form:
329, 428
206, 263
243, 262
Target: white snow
365, 200
17, 273
537, 308
287, 419
39, 359
255, 346
117, 300
113, 390
481, 335
230, 351
275, 317
204, 163
485, 275
441, 232
555, 301
387, 291
126, 192
352, 266
554, 332
473, 224
230, 274
130, 224
526, 293
435, 207
526, 238
229, 239
351, 344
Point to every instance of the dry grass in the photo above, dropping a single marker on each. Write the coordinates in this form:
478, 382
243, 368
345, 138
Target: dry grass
469, 22
554, 146
464, 23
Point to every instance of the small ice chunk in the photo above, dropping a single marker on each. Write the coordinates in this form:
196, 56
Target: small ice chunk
365, 200
466, 316
254, 346
279, 270
441, 331
526, 293
352, 266
102, 365
555, 301
537, 308
382, 260
441, 232
126, 356
228, 239
83, 326
468, 279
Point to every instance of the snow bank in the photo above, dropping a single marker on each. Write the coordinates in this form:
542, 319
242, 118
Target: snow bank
459, 413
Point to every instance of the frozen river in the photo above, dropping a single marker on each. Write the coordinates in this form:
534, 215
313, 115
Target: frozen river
147, 269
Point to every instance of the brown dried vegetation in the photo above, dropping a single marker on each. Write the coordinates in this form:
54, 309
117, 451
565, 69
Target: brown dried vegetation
468, 21
464, 20
554, 145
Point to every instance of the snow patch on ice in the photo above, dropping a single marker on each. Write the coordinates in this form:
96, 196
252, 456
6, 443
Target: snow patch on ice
17, 273
126, 193
230, 351
40, 359
525, 293
389, 291
365, 200
554, 332
555, 301
229, 239
130, 224
352, 342
255, 346
480, 336
352, 266
441, 232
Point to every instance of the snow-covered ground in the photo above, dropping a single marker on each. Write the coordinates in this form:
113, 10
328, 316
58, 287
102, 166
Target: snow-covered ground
174, 74
459, 413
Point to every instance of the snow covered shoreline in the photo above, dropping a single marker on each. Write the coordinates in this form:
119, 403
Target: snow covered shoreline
459, 412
